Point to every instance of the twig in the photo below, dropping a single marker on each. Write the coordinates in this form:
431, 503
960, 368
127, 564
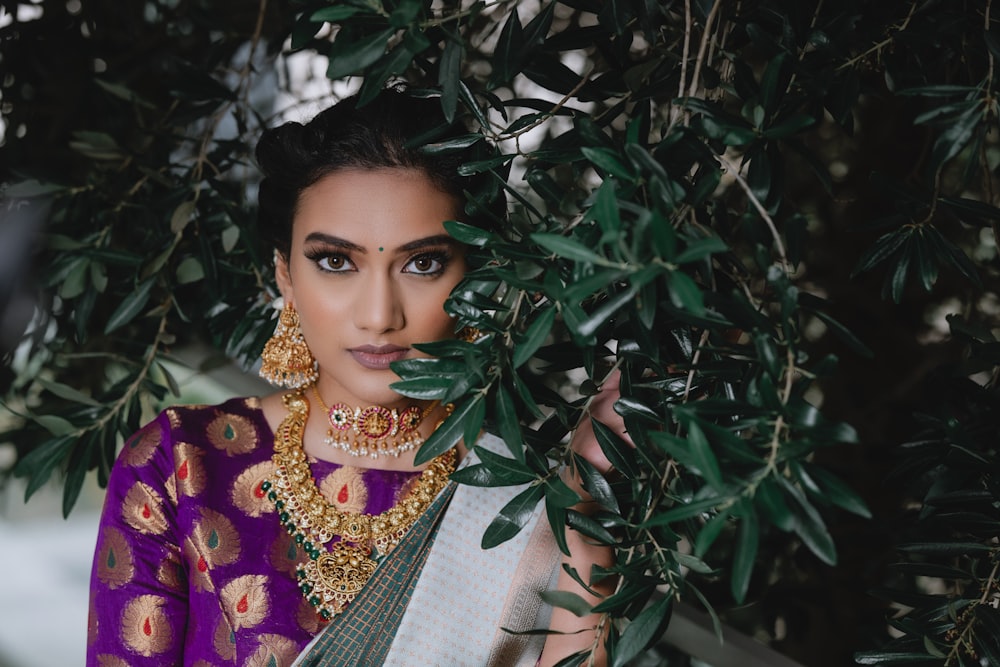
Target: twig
703, 47
782, 256
885, 42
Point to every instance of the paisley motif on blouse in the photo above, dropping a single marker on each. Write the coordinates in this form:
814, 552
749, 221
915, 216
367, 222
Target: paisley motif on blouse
114, 559
143, 509
345, 489
232, 434
245, 601
145, 627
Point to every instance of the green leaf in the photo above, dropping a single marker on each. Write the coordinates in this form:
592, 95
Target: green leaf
474, 419
347, 59
956, 136
536, 334
449, 433
334, 13
772, 501
568, 601
890, 657
55, 425
883, 247
596, 484
643, 631
704, 457
449, 77
686, 510
607, 160
508, 423
700, 250
570, 249
189, 271
685, 293
745, 554
507, 53
837, 492
809, 525
618, 452
510, 471
130, 306
512, 517
65, 391
467, 234
423, 388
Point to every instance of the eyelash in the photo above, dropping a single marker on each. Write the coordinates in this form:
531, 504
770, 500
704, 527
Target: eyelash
321, 257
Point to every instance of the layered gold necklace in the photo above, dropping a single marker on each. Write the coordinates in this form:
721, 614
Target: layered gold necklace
331, 580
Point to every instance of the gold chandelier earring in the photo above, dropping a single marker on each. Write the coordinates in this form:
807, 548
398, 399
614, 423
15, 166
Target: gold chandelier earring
286, 360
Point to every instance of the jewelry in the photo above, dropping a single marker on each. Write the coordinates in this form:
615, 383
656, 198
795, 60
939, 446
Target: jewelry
380, 431
286, 360
469, 334
331, 580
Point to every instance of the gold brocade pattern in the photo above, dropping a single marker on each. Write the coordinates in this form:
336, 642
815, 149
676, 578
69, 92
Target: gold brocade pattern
198, 568
140, 447
285, 555
145, 627
143, 509
224, 640
247, 494
171, 572
216, 539
189, 471
274, 651
233, 434
245, 600
115, 567
345, 489
307, 617
331, 580
105, 660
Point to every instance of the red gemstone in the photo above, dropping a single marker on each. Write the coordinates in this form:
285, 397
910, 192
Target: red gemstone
343, 495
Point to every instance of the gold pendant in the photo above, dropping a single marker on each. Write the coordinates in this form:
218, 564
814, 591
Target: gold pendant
338, 576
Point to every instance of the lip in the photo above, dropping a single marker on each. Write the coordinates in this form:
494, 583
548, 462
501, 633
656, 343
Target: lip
378, 357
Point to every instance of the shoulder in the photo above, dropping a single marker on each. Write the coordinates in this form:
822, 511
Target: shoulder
234, 426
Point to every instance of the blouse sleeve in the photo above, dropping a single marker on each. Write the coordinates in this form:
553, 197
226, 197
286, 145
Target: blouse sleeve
138, 587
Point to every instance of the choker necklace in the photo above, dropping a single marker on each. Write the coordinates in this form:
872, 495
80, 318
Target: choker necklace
380, 431
330, 580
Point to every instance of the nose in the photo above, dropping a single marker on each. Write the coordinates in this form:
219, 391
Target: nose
378, 307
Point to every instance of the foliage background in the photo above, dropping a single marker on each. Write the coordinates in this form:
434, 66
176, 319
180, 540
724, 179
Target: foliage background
790, 180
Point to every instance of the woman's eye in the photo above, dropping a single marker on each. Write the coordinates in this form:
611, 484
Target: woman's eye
426, 264
334, 263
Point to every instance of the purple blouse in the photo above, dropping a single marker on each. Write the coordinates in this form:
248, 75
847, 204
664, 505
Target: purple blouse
192, 566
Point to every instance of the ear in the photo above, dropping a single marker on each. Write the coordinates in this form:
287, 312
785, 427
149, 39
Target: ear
283, 276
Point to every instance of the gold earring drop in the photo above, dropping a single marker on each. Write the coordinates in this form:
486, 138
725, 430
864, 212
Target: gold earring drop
286, 360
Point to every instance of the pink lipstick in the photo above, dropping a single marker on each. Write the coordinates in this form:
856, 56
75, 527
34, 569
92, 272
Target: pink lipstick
378, 357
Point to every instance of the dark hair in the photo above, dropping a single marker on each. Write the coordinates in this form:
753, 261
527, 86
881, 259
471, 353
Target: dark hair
388, 132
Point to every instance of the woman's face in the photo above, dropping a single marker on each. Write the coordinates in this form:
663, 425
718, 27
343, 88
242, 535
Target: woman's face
369, 270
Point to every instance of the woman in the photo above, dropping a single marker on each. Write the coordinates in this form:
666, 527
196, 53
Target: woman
238, 533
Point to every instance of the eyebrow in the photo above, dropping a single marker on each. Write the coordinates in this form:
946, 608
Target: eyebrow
329, 239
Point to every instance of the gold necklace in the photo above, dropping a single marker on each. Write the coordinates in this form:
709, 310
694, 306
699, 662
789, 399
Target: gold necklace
380, 431
330, 580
